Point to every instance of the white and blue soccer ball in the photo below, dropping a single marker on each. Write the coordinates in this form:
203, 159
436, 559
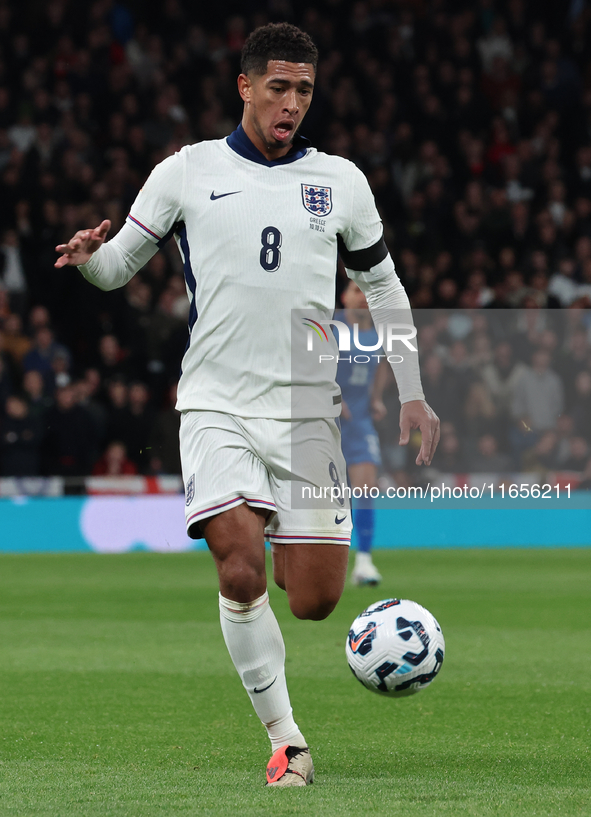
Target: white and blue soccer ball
395, 647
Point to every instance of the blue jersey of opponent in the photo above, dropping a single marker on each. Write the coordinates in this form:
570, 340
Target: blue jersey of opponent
355, 377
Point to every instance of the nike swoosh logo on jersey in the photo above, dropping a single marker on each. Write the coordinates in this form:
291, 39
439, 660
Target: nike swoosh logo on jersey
215, 196
337, 520
267, 687
355, 644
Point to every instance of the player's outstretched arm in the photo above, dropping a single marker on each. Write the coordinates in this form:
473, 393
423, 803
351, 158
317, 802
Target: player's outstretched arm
112, 264
419, 414
107, 264
79, 248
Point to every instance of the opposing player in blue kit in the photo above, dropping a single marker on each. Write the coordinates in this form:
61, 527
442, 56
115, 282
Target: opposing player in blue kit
259, 218
362, 377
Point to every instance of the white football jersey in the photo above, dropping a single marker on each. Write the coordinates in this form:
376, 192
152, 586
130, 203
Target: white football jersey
258, 239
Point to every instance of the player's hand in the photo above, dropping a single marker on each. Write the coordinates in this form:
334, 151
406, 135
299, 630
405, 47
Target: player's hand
345, 413
378, 410
419, 414
79, 248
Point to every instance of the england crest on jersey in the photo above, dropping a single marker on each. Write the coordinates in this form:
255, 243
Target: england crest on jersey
190, 490
317, 200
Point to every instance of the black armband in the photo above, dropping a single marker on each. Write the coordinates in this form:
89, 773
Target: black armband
363, 260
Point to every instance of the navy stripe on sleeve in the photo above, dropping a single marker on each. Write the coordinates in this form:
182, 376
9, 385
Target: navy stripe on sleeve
176, 228
189, 278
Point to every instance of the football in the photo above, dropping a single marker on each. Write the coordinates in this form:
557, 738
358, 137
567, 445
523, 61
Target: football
395, 647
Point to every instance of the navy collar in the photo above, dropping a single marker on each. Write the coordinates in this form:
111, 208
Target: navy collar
241, 144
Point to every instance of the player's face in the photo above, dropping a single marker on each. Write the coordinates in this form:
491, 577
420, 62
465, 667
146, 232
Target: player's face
275, 104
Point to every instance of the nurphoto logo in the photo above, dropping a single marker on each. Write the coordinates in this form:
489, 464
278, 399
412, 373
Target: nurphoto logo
394, 332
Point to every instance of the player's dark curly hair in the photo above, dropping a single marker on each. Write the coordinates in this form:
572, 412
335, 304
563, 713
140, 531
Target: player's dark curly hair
277, 41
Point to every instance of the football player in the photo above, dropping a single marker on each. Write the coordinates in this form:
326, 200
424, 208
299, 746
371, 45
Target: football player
259, 218
362, 380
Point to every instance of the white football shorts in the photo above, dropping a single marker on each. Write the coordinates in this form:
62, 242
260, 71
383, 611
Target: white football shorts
273, 464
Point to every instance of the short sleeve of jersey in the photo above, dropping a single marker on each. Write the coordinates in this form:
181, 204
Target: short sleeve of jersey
158, 207
365, 226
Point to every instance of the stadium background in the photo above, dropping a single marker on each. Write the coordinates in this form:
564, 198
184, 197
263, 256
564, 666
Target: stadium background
118, 696
472, 122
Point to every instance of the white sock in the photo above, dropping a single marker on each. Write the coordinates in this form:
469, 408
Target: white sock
256, 647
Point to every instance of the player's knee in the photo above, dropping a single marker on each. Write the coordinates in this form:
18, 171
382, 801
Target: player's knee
312, 609
240, 578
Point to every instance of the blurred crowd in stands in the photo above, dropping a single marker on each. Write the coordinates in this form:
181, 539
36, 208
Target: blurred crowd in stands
472, 121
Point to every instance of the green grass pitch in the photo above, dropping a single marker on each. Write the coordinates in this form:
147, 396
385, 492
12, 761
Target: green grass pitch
117, 696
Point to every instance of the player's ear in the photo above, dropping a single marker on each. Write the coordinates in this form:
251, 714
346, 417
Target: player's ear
245, 87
